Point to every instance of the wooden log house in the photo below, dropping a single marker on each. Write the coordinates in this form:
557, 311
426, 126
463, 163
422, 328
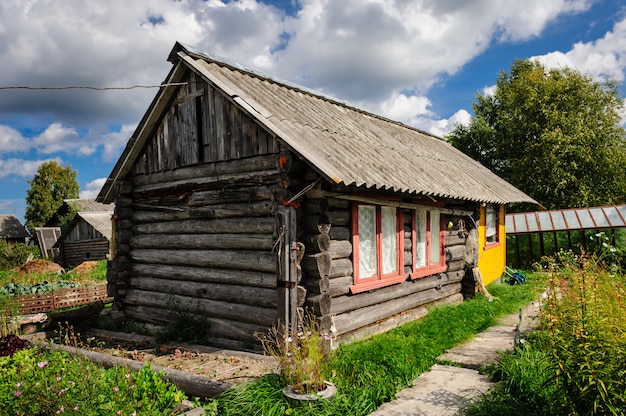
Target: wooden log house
247, 200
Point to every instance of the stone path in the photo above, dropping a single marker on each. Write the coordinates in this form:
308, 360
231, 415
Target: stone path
448, 389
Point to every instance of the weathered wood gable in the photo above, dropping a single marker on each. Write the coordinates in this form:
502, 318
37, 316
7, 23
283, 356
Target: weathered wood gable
202, 125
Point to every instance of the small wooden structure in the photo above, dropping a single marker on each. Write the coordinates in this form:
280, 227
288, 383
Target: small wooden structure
87, 234
244, 200
11, 229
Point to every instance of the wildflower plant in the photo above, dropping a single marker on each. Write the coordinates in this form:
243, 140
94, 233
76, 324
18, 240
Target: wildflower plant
301, 353
37, 382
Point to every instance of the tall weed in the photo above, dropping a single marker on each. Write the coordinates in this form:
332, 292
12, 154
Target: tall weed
585, 317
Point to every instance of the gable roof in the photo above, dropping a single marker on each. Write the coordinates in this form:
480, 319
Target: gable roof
11, 227
347, 145
78, 205
99, 220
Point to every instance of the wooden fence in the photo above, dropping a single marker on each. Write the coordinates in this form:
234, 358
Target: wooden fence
59, 299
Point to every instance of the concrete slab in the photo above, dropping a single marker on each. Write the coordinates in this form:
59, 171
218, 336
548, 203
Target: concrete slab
443, 391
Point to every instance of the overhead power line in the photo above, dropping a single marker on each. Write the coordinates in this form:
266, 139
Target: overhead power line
85, 87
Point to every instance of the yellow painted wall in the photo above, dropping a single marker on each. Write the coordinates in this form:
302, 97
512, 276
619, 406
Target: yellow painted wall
491, 260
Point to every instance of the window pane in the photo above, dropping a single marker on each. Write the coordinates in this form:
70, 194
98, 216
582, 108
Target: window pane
491, 229
367, 241
435, 253
420, 238
390, 251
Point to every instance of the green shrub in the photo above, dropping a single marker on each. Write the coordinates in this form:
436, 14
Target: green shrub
15, 255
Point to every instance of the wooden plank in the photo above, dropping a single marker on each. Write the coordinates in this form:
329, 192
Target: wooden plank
251, 225
355, 319
202, 307
344, 304
227, 259
200, 241
247, 295
204, 275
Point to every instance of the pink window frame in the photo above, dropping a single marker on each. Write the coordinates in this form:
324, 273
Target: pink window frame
429, 269
380, 280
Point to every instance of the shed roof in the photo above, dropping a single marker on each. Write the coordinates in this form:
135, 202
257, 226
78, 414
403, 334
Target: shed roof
11, 227
347, 145
572, 219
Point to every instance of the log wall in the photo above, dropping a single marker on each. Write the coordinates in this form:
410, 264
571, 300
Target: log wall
75, 252
195, 221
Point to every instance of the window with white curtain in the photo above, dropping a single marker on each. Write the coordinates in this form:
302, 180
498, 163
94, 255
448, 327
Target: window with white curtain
378, 237
428, 243
378, 246
492, 223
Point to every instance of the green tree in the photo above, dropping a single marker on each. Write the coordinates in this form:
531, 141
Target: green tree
49, 187
553, 133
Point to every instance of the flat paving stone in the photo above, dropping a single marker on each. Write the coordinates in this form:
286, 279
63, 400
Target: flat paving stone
443, 391
446, 390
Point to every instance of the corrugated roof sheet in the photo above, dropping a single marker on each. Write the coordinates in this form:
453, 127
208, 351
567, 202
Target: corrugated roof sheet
349, 146
88, 205
100, 221
567, 220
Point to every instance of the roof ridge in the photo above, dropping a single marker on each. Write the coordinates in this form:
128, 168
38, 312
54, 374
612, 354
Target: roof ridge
256, 73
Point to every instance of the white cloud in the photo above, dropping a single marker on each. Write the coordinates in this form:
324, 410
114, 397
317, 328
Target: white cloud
360, 51
57, 138
602, 58
115, 141
12, 140
92, 189
442, 127
404, 108
22, 167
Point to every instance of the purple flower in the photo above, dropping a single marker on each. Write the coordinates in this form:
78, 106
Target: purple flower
17, 393
42, 364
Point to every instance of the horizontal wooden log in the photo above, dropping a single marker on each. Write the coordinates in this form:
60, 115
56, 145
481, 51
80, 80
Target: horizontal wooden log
319, 304
454, 253
217, 169
338, 248
153, 213
350, 321
192, 384
209, 226
455, 265
397, 320
338, 286
180, 190
337, 218
242, 332
255, 296
338, 268
360, 300
454, 239
204, 307
221, 196
200, 241
205, 275
224, 259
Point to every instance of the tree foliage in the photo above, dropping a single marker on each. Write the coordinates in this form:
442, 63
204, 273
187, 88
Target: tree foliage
49, 187
554, 134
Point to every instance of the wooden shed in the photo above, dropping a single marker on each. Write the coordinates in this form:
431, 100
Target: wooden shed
11, 229
248, 199
86, 231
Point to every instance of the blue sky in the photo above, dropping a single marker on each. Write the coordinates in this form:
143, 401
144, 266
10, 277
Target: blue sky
420, 62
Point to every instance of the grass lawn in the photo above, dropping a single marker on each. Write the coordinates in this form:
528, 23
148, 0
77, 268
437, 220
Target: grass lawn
370, 372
